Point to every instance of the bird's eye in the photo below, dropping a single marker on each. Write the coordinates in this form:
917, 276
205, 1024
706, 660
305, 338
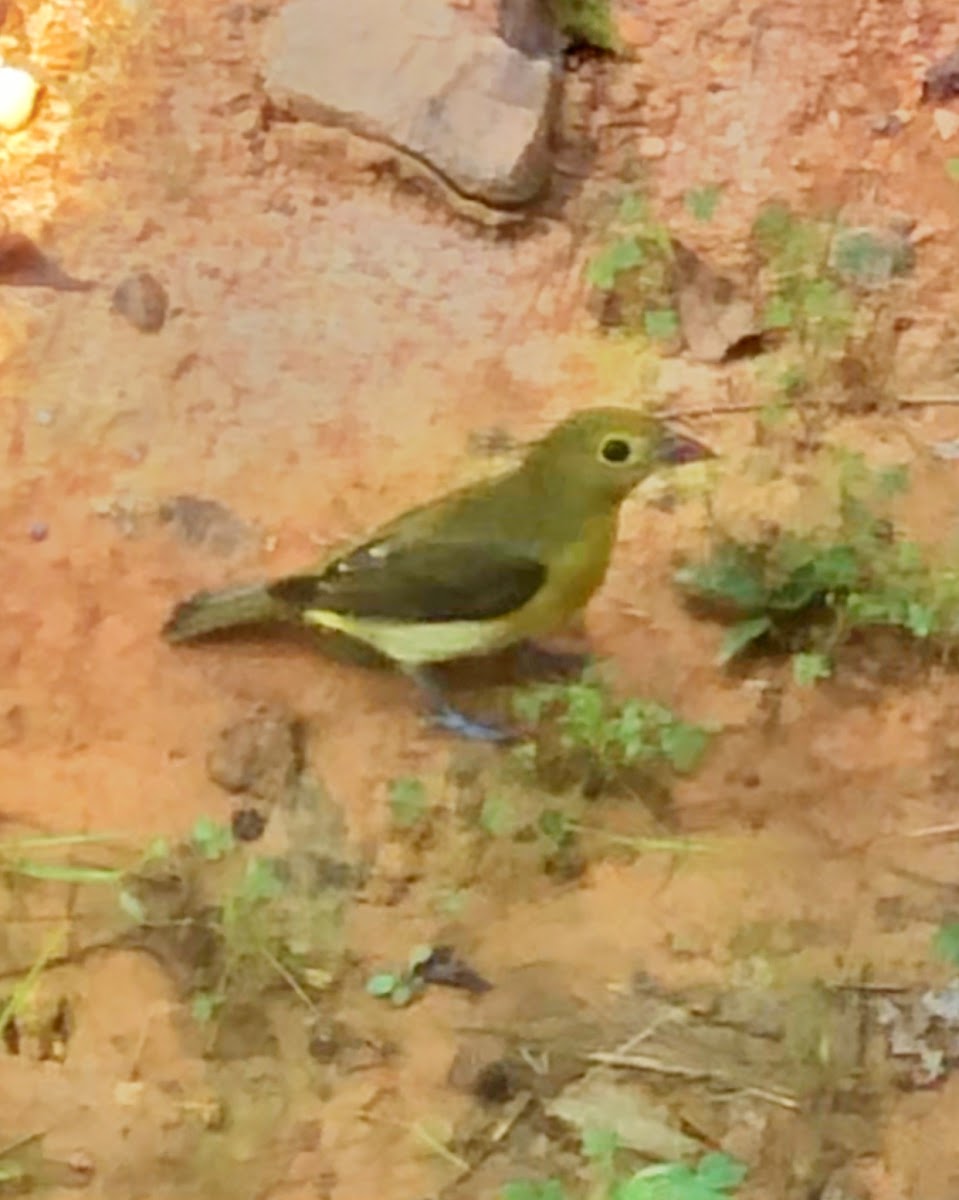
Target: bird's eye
616, 450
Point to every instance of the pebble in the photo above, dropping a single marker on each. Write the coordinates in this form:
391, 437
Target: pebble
18, 98
142, 299
946, 122
39, 531
652, 147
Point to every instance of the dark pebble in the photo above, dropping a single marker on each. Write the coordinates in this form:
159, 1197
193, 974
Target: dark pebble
248, 824
942, 79
39, 531
142, 299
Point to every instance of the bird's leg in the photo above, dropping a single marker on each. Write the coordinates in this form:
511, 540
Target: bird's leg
536, 660
445, 716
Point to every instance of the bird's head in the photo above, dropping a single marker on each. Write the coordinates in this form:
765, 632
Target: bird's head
608, 451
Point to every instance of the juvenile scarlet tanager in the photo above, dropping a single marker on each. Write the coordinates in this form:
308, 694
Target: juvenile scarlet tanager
495, 563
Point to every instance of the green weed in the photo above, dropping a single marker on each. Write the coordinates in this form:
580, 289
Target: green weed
945, 943
634, 270
952, 169
409, 803
702, 202
586, 22
815, 276
402, 985
714, 1177
615, 735
807, 594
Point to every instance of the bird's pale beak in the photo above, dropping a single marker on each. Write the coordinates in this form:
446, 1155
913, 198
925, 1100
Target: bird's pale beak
678, 448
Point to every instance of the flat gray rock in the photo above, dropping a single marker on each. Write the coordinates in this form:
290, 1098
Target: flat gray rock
415, 75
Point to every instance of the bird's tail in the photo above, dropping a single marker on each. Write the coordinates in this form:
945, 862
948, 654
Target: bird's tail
209, 612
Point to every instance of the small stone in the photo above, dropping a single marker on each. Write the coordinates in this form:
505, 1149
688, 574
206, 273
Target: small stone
886, 124
415, 75
652, 147
197, 521
261, 754
142, 299
39, 531
18, 98
946, 122
248, 824
942, 79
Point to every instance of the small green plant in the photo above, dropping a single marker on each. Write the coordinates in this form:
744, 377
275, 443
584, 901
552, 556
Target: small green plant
634, 270
211, 839
616, 735
945, 943
702, 202
714, 1177
952, 169
409, 802
807, 593
401, 986
586, 22
801, 295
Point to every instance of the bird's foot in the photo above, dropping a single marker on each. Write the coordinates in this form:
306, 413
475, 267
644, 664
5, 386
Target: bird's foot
445, 716
453, 721
539, 661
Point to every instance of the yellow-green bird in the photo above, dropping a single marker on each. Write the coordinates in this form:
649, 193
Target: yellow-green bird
493, 564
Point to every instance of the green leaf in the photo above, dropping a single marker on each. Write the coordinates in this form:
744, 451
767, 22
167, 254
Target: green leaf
702, 202
382, 984
419, 955
945, 943
555, 825
261, 881
211, 839
732, 574
600, 1144
779, 313
809, 668
633, 209
64, 872
205, 1006
952, 169
498, 817
720, 1172
401, 994
620, 255
712, 1179
661, 323
684, 745
741, 635
157, 849
920, 619
408, 802
530, 1189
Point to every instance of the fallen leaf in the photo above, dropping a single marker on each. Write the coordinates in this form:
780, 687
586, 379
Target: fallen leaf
713, 316
617, 1104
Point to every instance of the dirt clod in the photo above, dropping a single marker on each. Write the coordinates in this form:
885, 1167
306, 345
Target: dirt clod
143, 301
261, 754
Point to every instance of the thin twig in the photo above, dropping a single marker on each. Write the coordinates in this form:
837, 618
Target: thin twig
773, 1097
714, 410
288, 977
934, 831
748, 406
642, 1062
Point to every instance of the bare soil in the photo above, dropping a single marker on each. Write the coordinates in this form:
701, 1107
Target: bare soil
339, 346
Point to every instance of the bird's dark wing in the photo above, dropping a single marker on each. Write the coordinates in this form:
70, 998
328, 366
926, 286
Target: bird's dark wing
423, 582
